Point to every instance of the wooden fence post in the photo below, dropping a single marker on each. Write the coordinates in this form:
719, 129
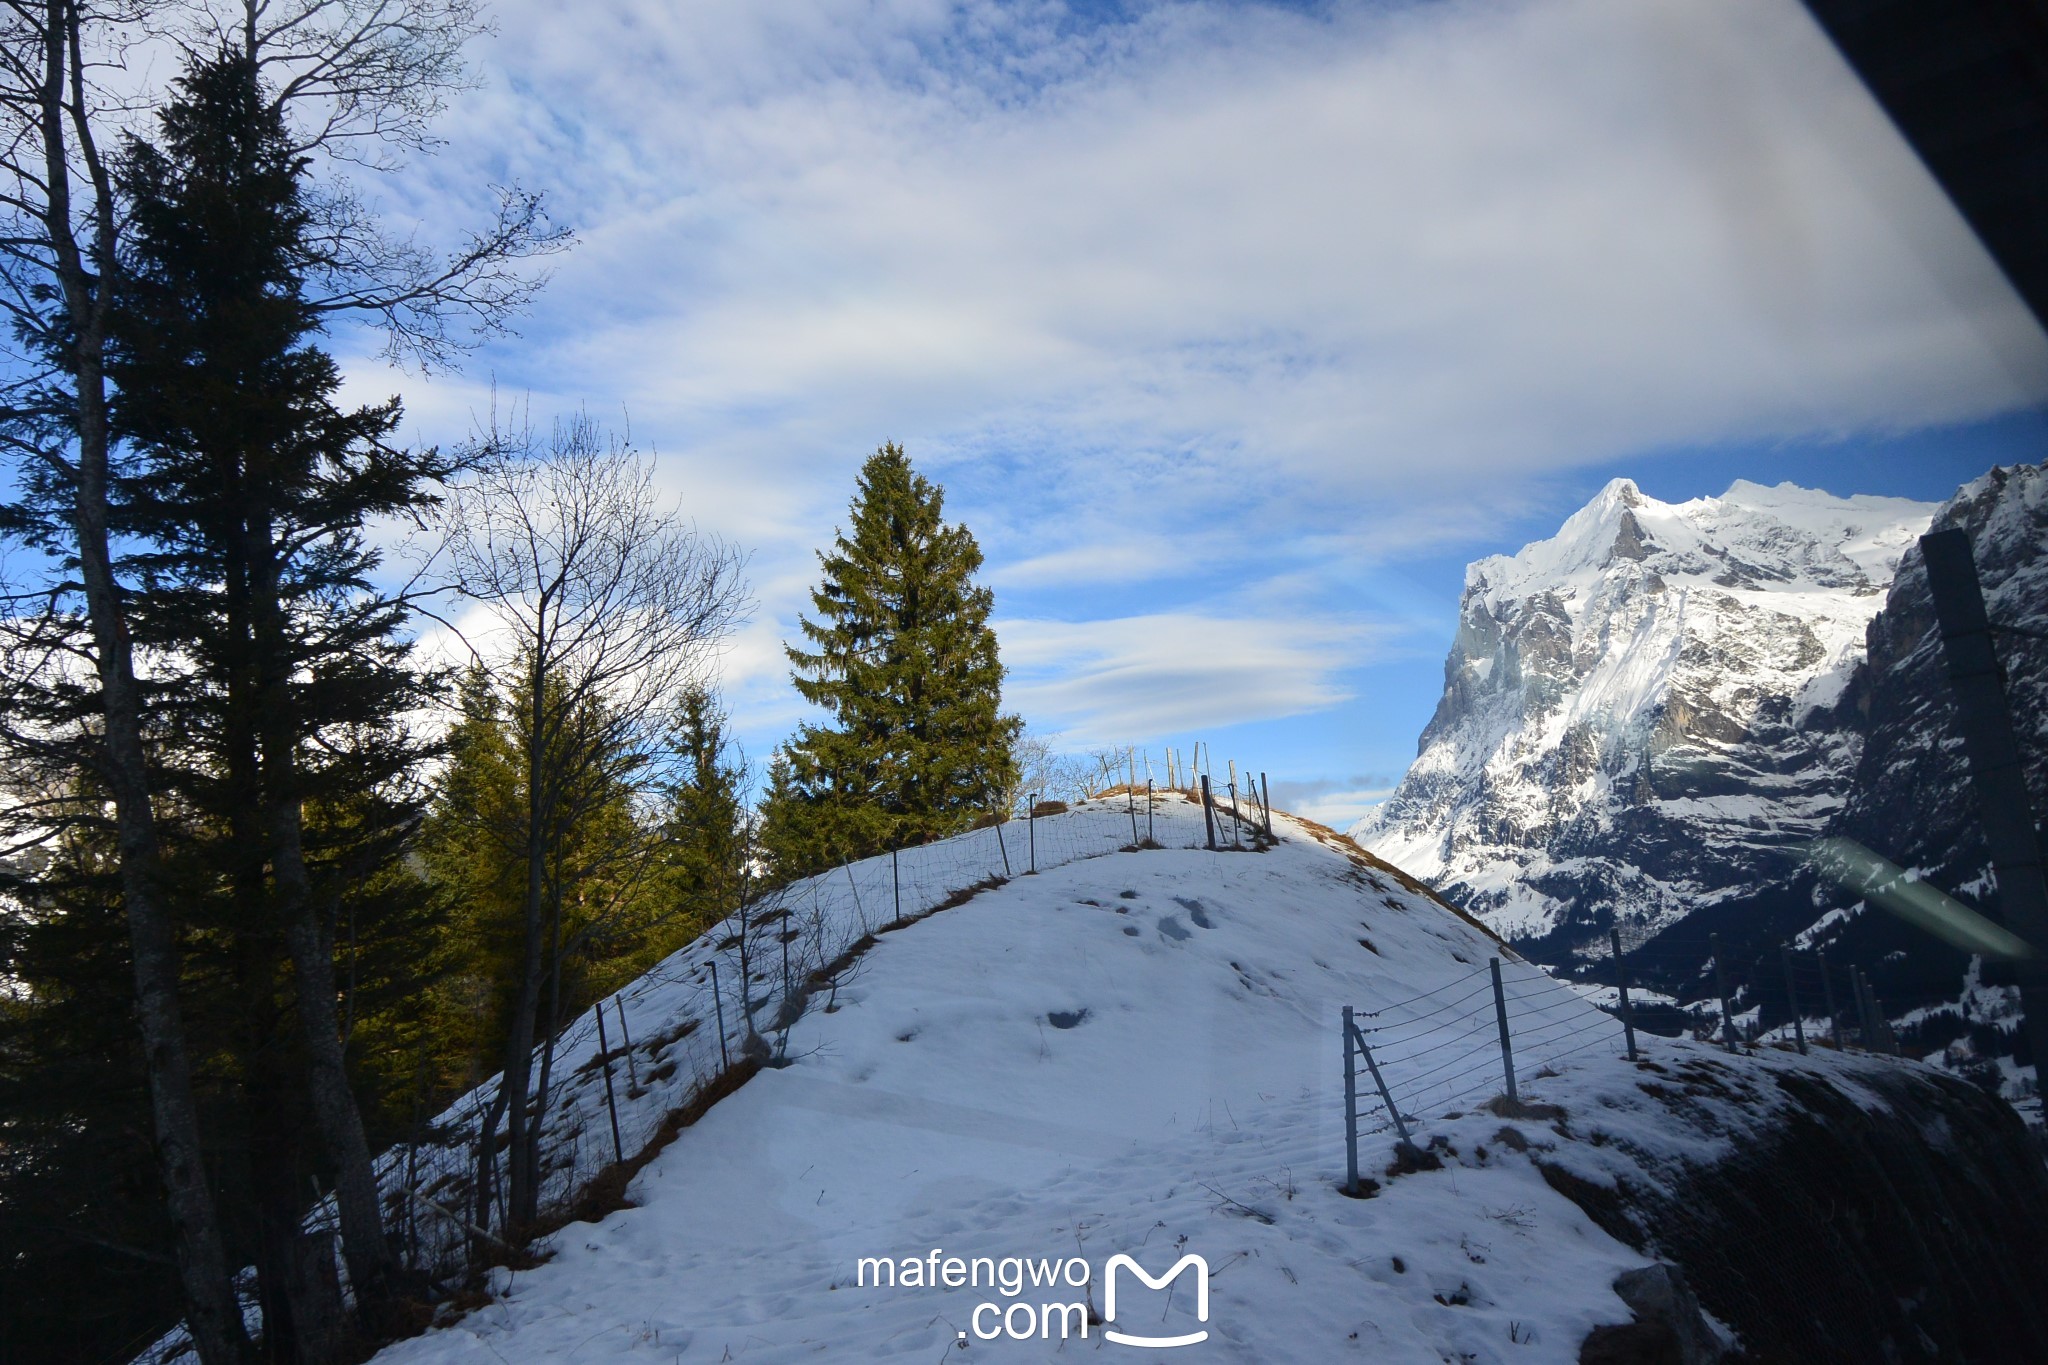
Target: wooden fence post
1386, 1096
1208, 813
1721, 984
632, 1071
1266, 804
1350, 1110
1827, 986
718, 1003
1865, 1025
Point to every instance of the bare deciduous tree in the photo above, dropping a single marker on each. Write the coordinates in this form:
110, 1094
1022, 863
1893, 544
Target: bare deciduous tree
605, 607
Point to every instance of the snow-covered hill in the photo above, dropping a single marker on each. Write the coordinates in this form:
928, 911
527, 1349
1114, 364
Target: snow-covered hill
1134, 1053
1138, 1054
1625, 727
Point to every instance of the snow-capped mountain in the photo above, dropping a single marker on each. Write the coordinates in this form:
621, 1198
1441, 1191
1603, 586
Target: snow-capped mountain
1638, 713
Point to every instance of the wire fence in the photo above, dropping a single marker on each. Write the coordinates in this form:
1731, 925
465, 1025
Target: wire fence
620, 1080
1498, 1029
1749, 988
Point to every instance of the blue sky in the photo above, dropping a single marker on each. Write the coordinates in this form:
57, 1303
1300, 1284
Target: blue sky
1234, 330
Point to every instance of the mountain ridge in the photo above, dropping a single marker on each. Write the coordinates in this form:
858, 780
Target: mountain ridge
1648, 717
1643, 672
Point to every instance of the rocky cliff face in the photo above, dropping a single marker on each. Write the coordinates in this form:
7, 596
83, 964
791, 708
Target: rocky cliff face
1647, 717
1628, 729
1908, 796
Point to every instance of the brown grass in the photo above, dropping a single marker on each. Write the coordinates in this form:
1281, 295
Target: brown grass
1350, 848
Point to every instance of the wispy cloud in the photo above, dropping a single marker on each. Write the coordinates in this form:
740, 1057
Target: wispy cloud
1279, 291
1337, 803
1124, 680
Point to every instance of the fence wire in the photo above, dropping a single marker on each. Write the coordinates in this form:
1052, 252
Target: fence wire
726, 1001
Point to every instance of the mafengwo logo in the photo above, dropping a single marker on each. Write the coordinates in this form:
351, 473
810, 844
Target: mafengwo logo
1187, 1262
1026, 1319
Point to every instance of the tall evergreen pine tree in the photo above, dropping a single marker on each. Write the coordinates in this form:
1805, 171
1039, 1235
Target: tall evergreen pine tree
902, 657
248, 499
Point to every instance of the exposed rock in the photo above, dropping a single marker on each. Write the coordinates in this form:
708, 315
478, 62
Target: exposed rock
1669, 1328
1892, 1217
1648, 717
1626, 726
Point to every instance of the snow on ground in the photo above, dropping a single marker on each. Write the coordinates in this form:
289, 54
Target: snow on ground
1136, 1053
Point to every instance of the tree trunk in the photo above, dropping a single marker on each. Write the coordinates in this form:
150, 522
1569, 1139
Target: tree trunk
484, 1184
364, 1245
212, 1313
547, 1056
521, 1184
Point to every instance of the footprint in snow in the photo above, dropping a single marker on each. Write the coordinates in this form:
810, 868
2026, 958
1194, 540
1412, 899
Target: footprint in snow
1196, 911
1171, 928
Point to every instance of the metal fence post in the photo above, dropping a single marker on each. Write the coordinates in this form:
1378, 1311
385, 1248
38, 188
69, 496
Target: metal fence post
1500, 1012
632, 1071
1792, 998
1031, 830
1386, 1097
1131, 806
1721, 984
1350, 1110
604, 1050
1628, 1017
1208, 813
718, 1003
1858, 989
1827, 986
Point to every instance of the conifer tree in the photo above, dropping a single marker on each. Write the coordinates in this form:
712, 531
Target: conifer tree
708, 835
902, 658
248, 499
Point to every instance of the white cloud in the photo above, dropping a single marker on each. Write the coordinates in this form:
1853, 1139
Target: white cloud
1366, 252
1226, 275
1336, 804
1127, 680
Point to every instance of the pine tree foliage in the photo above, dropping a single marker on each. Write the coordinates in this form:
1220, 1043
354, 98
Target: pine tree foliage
636, 879
280, 758
709, 832
901, 657
250, 497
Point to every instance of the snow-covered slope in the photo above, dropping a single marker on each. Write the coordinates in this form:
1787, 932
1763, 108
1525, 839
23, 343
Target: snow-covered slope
1624, 731
1135, 1053
1022, 1079
1138, 1054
